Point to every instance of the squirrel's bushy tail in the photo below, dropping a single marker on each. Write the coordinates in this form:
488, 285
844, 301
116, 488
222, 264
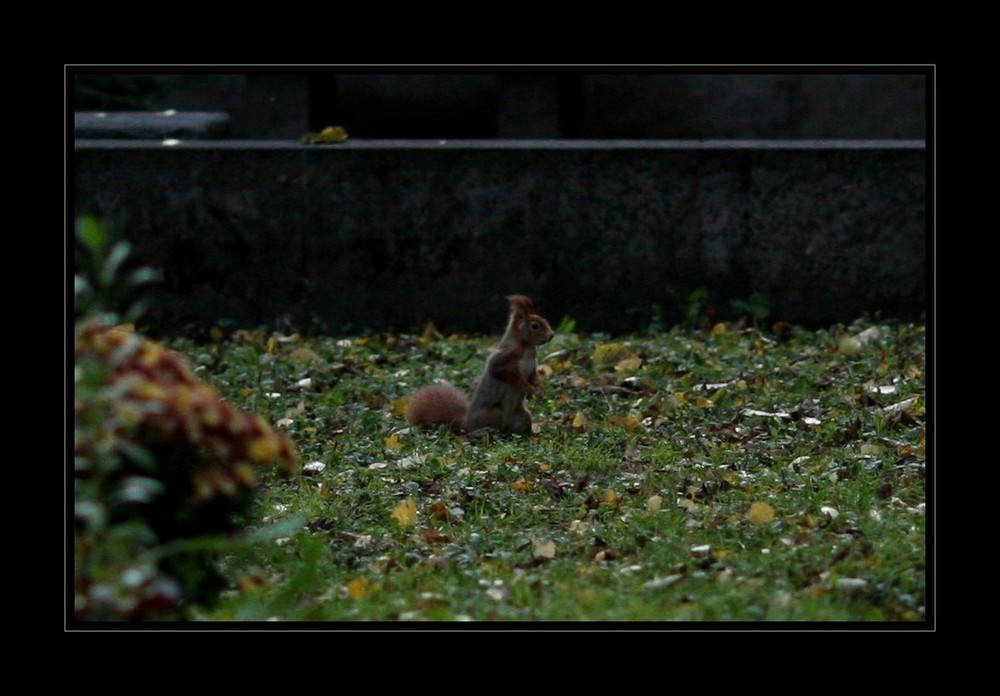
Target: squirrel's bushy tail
439, 404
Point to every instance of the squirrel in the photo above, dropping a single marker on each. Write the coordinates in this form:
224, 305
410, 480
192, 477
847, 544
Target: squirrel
511, 375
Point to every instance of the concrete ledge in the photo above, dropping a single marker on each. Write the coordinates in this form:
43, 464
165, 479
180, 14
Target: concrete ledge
150, 125
389, 234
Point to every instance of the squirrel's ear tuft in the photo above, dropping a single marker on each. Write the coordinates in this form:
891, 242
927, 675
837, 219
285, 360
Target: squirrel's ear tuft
522, 302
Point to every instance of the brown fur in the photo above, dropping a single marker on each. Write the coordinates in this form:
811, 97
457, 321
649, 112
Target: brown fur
510, 376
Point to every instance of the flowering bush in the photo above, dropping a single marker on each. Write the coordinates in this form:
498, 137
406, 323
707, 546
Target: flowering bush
163, 467
159, 458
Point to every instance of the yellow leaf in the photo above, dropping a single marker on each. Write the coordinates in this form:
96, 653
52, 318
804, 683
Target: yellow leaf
610, 497
430, 332
654, 503
272, 346
330, 134
392, 442
630, 423
357, 588
628, 364
719, 329
579, 420
520, 485
303, 355
610, 353
681, 398
398, 407
760, 513
406, 513
333, 134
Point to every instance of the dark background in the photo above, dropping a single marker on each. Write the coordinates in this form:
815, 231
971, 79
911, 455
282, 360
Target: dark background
520, 104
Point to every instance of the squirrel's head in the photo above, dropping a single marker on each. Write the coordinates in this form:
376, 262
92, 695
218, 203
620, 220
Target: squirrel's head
531, 327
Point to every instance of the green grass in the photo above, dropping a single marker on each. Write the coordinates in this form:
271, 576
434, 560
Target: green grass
632, 503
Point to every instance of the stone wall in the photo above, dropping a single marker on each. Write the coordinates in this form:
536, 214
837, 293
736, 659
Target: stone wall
373, 235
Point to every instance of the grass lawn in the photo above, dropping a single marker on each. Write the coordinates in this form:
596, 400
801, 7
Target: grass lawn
722, 475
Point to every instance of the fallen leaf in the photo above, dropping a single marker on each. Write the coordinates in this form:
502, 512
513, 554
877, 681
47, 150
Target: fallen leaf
439, 510
760, 513
330, 134
333, 134
398, 406
654, 503
497, 594
850, 584
433, 536
313, 468
392, 442
660, 583
628, 364
406, 512
900, 407
849, 346
701, 550
630, 423
357, 588
872, 333
611, 353
543, 550
303, 355
430, 332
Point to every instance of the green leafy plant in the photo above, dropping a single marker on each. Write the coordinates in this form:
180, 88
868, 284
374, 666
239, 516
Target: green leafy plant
106, 280
163, 467
756, 307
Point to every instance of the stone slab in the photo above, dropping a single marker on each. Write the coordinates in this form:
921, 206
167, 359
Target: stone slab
155, 125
